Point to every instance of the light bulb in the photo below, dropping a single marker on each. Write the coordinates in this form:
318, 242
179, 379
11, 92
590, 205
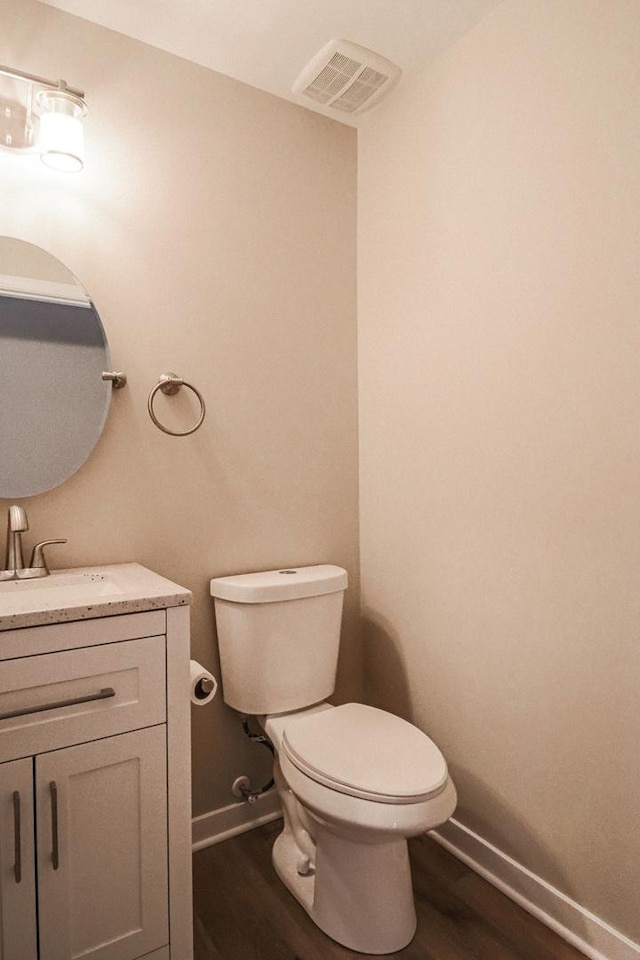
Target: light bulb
61, 136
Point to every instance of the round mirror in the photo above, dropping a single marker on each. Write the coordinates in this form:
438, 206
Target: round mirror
53, 350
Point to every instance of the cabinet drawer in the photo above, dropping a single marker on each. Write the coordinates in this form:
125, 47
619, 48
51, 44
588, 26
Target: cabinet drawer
65, 698
30, 641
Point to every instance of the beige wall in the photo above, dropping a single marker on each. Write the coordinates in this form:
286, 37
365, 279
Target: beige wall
499, 203
214, 226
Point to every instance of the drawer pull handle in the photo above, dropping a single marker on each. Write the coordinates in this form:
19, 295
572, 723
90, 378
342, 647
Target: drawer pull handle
17, 836
104, 694
55, 853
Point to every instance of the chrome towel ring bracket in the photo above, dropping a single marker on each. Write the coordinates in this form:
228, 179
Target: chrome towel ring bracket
170, 384
117, 377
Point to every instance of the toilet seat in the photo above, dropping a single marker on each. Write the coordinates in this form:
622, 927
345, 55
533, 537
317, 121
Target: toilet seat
367, 753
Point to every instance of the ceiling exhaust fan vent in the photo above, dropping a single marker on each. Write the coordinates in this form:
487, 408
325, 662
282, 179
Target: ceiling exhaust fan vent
346, 77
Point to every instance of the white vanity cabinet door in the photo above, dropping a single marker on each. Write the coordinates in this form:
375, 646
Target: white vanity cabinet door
18, 936
101, 813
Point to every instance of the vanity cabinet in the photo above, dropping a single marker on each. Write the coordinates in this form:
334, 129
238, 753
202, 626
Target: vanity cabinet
18, 924
100, 815
95, 822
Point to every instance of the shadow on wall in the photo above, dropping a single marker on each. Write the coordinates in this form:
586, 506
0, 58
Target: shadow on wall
384, 673
480, 808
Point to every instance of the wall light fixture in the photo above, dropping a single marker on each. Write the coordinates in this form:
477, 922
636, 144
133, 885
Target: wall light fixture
42, 116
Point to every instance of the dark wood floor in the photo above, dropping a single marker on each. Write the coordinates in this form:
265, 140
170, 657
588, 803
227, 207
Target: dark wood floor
243, 912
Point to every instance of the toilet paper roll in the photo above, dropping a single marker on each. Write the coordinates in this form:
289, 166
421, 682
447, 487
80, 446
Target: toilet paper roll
202, 684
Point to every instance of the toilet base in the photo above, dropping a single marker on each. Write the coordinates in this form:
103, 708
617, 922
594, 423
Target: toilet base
359, 894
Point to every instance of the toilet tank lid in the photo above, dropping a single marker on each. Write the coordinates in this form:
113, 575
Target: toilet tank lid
290, 583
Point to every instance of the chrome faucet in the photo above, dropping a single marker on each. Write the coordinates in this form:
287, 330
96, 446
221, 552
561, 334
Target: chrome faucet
14, 568
17, 523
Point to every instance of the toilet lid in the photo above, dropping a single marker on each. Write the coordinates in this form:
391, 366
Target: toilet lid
366, 752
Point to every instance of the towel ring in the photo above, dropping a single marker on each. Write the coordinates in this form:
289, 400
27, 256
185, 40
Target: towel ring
169, 384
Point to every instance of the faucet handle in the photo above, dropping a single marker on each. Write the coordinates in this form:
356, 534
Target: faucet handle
17, 519
17, 524
38, 561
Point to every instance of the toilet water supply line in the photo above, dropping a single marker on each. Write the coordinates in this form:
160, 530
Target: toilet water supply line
252, 795
307, 848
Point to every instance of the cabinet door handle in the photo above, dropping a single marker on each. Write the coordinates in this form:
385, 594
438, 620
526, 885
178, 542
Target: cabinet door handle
17, 840
55, 852
104, 694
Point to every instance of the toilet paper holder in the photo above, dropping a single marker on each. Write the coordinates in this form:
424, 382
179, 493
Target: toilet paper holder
202, 684
203, 688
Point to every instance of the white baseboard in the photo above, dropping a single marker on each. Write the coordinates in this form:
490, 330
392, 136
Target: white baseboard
578, 926
219, 825
595, 938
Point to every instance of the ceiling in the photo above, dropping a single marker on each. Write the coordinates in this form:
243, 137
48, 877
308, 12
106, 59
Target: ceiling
266, 43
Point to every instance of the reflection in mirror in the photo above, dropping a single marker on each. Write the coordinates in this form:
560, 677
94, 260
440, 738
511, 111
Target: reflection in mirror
53, 349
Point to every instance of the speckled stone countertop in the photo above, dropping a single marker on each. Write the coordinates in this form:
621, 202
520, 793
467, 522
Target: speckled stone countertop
85, 593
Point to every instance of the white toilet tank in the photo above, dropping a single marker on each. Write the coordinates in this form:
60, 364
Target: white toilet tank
278, 634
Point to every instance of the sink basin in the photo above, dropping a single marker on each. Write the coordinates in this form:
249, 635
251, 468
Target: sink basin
57, 590
84, 593
96, 582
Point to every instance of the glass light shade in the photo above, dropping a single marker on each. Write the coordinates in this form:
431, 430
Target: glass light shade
61, 136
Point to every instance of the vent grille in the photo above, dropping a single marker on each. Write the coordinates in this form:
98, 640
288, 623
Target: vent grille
346, 78
368, 83
330, 81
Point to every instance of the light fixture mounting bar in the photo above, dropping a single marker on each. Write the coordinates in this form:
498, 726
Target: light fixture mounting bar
42, 81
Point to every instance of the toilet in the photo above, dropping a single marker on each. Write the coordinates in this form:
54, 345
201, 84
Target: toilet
355, 782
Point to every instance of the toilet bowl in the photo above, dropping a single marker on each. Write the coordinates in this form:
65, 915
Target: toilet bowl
355, 782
